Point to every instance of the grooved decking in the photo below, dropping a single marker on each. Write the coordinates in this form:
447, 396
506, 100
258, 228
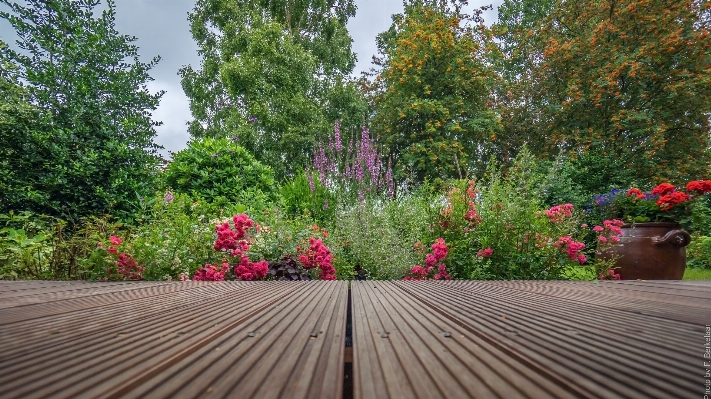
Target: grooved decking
530, 339
172, 340
433, 339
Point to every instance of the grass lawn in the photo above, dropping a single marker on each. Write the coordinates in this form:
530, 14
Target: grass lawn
697, 274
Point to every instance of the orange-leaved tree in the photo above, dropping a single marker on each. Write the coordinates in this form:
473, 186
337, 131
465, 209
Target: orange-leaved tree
431, 94
628, 80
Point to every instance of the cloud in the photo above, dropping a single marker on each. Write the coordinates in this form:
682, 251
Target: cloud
174, 112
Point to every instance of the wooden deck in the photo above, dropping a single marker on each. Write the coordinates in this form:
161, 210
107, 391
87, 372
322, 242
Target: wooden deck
463, 339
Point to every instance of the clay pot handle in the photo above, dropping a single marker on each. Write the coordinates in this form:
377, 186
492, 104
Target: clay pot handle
677, 238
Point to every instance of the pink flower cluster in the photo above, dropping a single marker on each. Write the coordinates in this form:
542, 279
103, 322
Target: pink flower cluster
439, 252
572, 248
249, 271
609, 276
126, 266
609, 232
235, 242
471, 216
485, 253
211, 272
318, 255
229, 239
558, 213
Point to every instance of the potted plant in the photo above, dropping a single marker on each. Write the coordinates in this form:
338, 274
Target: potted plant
652, 241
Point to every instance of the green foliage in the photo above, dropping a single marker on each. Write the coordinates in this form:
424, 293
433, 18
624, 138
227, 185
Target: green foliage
40, 247
176, 240
697, 274
576, 180
431, 95
298, 199
84, 146
274, 74
560, 185
510, 221
700, 220
21, 126
516, 19
280, 234
379, 236
698, 253
23, 256
220, 170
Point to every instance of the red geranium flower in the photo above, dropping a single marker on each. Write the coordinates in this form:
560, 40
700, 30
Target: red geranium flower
669, 201
636, 192
699, 186
663, 189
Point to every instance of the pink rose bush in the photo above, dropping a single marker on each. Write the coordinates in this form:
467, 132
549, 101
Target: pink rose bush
234, 242
318, 256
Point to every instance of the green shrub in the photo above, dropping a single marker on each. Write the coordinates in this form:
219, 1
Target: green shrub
700, 220
177, 239
499, 230
698, 253
299, 199
213, 169
40, 247
380, 236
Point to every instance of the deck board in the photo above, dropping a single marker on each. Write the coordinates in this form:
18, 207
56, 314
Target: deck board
564, 339
182, 339
430, 339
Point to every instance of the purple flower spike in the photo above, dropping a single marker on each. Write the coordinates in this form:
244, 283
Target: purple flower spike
310, 178
252, 119
337, 136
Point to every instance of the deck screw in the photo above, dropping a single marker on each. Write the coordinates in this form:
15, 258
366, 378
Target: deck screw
447, 334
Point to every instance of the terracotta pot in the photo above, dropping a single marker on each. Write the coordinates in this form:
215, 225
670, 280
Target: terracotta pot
651, 251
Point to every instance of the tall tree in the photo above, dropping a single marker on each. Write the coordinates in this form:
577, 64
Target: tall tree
19, 122
274, 74
432, 91
96, 153
519, 24
625, 80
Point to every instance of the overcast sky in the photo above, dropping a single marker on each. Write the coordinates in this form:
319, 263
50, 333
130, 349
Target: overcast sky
161, 27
